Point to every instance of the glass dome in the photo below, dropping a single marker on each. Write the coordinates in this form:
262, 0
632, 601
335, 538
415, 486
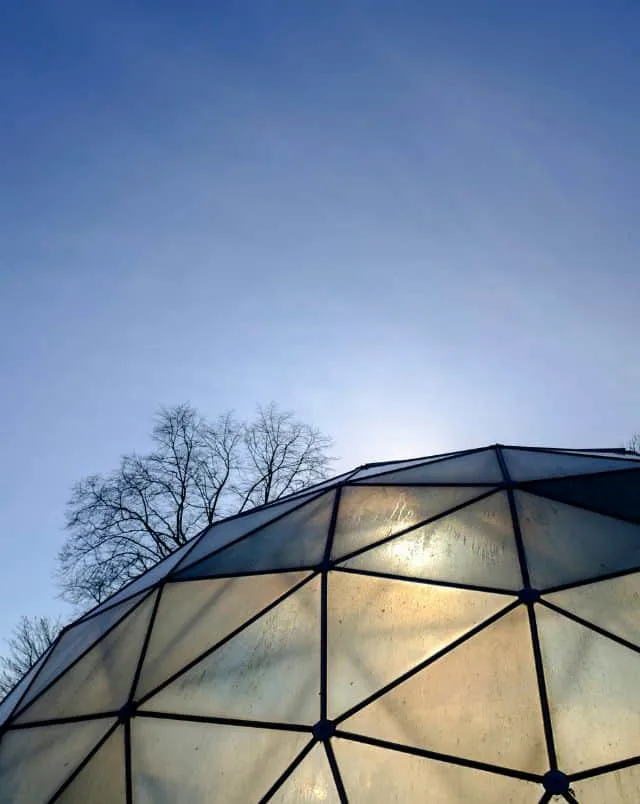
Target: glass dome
455, 629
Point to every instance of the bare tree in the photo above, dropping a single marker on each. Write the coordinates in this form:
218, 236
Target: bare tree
634, 443
121, 524
30, 639
281, 456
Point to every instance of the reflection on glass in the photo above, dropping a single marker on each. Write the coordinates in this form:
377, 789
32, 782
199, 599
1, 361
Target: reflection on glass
475, 545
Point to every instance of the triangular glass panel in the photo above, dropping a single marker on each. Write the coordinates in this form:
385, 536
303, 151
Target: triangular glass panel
613, 605
193, 616
385, 467
480, 467
524, 464
311, 781
179, 761
11, 701
35, 762
479, 701
152, 576
102, 780
296, 540
368, 514
475, 546
379, 776
270, 671
379, 629
613, 494
564, 544
101, 680
594, 696
620, 787
223, 533
74, 642
324, 486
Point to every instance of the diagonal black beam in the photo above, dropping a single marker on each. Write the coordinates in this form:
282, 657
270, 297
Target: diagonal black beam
78, 770
92, 645
426, 662
592, 626
287, 773
392, 576
226, 721
335, 770
606, 576
611, 767
415, 526
435, 755
226, 639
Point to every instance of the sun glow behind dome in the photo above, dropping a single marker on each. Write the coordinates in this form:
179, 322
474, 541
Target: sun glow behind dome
465, 625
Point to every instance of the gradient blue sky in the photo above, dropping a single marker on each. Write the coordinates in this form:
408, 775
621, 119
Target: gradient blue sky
415, 223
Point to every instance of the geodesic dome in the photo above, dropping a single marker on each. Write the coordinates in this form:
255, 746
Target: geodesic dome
457, 629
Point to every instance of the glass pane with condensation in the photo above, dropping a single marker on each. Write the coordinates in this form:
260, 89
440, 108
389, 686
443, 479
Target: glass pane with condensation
193, 616
524, 464
35, 762
379, 628
613, 605
101, 680
479, 701
228, 530
476, 467
190, 763
270, 671
367, 514
102, 780
614, 494
374, 775
594, 695
564, 544
296, 540
475, 545
74, 642
394, 466
311, 782
11, 701
620, 787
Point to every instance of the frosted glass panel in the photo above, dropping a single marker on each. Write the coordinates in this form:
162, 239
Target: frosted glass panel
475, 545
620, 787
374, 775
480, 701
228, 530
194, 616
310, 783
379, 629
147, 579
74, 642
178, 762
102, 780
296, 540
270, 671
13, 698
613, 605
34, 763
477, 467
369, 514
391, 466
101, 680
531, 465
594, 695
566, 544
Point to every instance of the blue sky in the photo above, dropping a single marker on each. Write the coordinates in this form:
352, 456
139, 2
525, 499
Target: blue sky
415, 223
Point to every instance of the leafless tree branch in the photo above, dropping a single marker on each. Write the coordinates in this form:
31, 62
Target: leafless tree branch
198, 471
